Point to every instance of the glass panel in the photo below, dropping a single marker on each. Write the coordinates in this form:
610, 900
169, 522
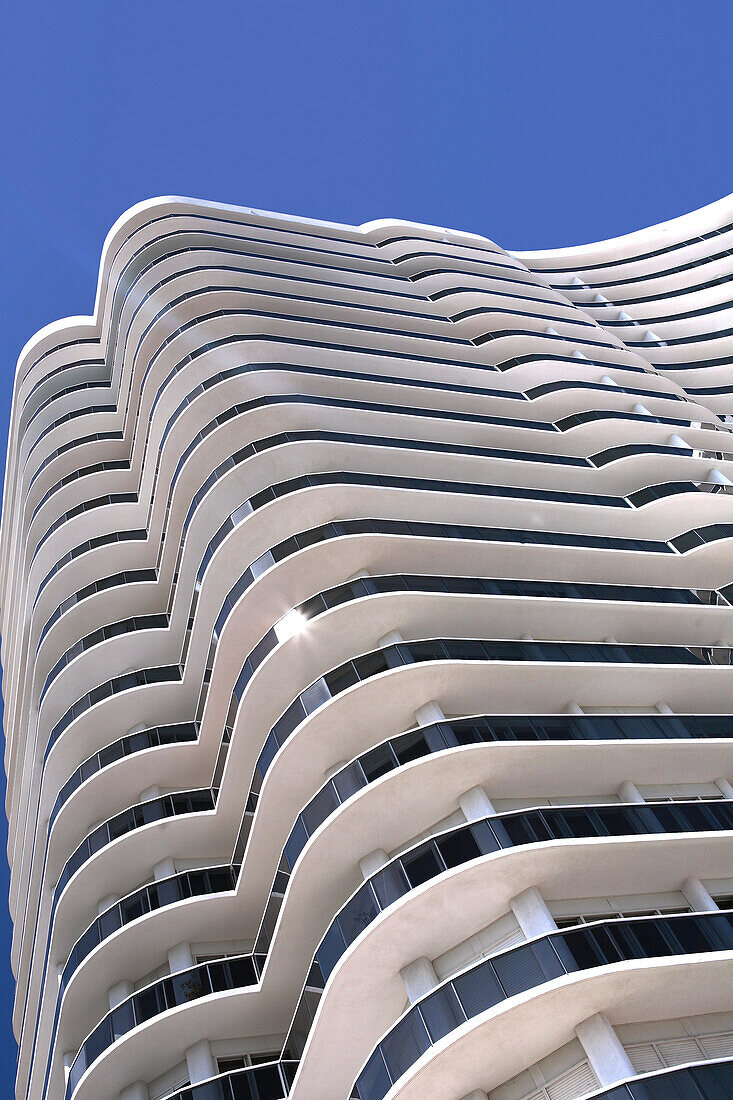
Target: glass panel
404, 1044
373, 1082
478, 989
378, 762
671, 1086
319, 808
442, 1012
716, 1082
422, 865
390, 884
358, 914
526, 967
459, 847
350, 780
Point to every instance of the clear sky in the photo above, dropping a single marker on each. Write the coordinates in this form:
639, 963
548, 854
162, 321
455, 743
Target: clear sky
536, 124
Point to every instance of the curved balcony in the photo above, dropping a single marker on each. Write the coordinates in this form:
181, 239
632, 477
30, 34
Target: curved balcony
157, 895
275, 400
179, 989
185, 242
335, 597
637, 257
342, 528
398, 878
362, 439
146, 813
522, 968
125, 746
439, 736
269, 1082
456, 649
402, 750
291, 485
395, 753
467, 842
94, 437
167, 673
394, 881
707, 1081
284, 437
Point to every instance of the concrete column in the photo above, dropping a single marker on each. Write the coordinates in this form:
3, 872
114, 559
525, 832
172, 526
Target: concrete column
180, 957
476, 1094
69, 1056
335, 769
200, 1062
370, 864
358, 576
664, 708
604, 1051
418, 978
393, 638
107, 902
150, 792
475, 804
429, 713
138, 1091
608, 381
533, 916
573, 708
629, 792
725, 787
119, 992
698, 897
164, 869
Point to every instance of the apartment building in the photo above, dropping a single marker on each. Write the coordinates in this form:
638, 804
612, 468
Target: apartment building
367, 613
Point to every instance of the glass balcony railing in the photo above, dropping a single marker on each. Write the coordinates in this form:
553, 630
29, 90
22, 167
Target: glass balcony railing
509, 973
707, 1081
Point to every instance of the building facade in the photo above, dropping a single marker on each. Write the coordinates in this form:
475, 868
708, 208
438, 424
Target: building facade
366, 636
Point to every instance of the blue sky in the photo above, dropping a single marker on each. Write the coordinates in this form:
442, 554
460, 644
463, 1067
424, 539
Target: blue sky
536, 124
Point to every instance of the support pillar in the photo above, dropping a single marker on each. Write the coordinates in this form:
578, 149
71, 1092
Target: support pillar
475, 804
200, 1062
370, 864
429, 713
698, 896
180, 957
107, 902
335, 769
165, 869
418, 978
604, 1051
533, 916
138, 1091
629, 792
725, 787
119, 992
